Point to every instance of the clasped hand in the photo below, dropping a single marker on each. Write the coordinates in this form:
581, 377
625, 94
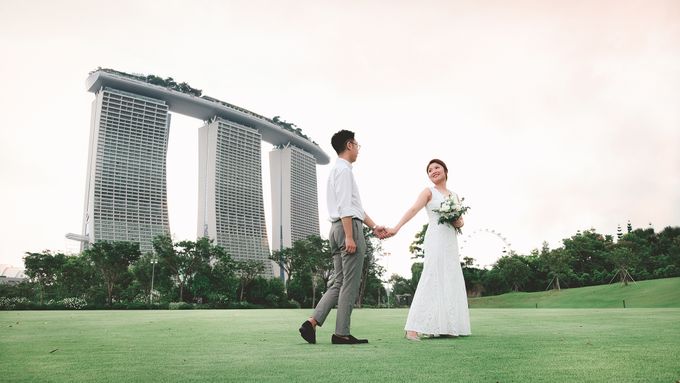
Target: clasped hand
383, 232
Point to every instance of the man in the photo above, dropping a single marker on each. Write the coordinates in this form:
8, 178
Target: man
347, 243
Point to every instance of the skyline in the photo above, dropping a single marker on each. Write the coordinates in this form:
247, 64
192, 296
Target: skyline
126, 196
552, 118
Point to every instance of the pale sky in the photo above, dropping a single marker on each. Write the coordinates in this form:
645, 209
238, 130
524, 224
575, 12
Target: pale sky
553, 116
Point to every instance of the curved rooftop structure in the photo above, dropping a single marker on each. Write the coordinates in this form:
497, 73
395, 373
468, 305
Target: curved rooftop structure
206, 108
9, 271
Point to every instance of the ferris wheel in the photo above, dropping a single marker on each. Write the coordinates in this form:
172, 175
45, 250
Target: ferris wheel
485, 246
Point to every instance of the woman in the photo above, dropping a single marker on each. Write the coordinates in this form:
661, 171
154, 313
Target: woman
439, 305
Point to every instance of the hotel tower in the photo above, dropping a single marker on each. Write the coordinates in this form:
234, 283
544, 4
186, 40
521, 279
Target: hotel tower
126, 191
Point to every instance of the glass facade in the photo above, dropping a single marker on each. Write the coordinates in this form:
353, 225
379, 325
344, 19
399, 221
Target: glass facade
295, 213
126, 197
231, 208
304, 206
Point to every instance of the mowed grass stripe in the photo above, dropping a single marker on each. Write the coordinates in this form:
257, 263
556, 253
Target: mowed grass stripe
507, 345
657, 293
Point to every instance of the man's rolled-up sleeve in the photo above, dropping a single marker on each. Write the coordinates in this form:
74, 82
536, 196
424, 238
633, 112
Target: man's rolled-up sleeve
343, 191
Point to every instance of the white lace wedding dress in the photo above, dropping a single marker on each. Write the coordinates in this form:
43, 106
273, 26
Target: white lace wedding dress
440, 303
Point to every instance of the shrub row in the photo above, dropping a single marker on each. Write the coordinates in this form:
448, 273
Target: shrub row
76, 303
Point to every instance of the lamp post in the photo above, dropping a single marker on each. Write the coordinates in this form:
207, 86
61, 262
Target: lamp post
388, 291
386, 284
153, 272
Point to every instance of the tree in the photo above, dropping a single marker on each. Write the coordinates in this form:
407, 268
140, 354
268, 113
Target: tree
112, 260
79, 278
588, 254
223, 279
668, 253
144, 270
204, 254
323, 265
300, 288
370, 268
284, 258
513, 270
473, 277
310, 264
293, 259
622, 258
416, 247
557, 263
374, 291
183, 259
43, 268
401, 285
247, 271
586, 258
266, 291
315, 252
155, 80
494, 283
538, 278
644, 245
416, 272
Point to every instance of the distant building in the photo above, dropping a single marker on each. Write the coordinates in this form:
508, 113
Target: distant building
11, 275
295, 212
126, 192
231, 208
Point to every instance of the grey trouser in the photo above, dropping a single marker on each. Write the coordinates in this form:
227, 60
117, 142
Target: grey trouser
346, 277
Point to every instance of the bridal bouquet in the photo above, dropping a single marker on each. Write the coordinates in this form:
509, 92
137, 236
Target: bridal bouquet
450, 210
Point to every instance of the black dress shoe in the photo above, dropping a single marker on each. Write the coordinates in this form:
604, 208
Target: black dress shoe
350, 340
307, 332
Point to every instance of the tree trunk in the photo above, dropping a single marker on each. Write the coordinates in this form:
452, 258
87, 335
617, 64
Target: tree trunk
557, 283
313, 292
360, 296
362, 285
109, 289
624, 276
181, 291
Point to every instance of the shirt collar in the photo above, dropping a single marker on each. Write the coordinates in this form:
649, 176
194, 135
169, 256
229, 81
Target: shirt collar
344, 161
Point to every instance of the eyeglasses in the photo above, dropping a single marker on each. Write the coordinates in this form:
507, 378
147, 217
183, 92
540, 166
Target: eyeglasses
355, 144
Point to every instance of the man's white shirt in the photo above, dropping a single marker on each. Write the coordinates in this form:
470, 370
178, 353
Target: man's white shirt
342, 192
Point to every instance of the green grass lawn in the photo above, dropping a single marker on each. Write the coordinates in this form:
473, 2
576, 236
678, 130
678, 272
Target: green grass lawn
507, 345
655, 293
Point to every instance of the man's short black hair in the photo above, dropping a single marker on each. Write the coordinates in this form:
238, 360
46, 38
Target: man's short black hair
339, 140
